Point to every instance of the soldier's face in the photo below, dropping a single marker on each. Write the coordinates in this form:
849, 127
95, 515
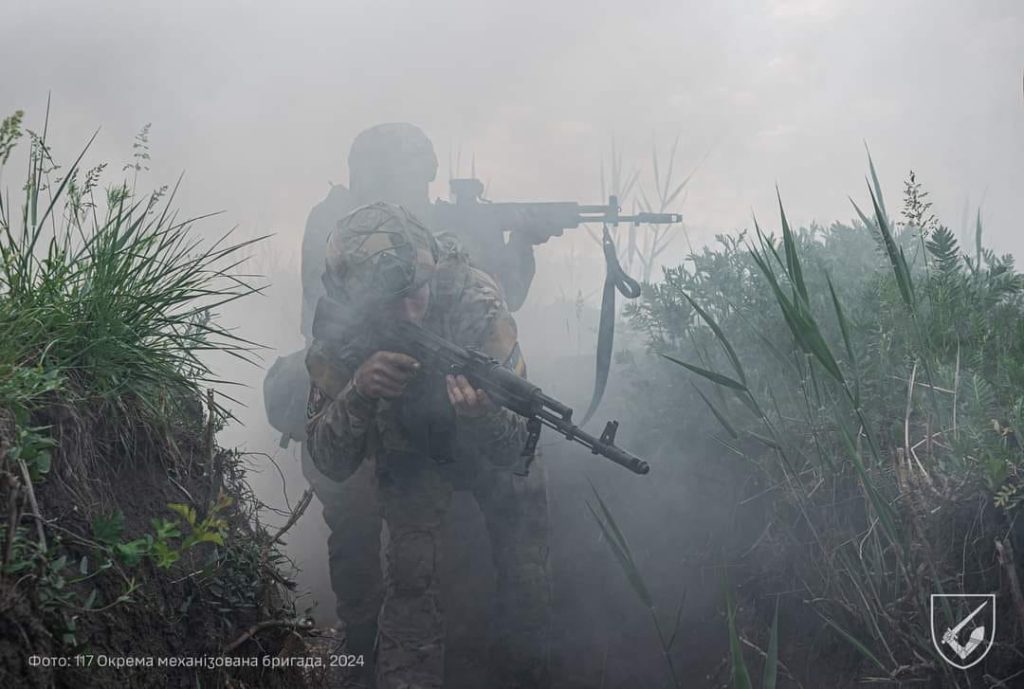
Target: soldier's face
413, 306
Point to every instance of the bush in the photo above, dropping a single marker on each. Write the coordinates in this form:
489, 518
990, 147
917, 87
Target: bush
871, 374
107, 289
106, 313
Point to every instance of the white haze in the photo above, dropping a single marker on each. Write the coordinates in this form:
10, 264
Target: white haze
258, 102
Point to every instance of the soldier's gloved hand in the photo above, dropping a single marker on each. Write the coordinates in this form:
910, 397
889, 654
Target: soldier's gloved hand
468, 402
537, 234
385, 374
534, 226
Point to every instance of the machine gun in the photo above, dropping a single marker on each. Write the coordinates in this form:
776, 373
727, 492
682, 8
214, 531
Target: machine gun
468, 210
509, 390
481, 226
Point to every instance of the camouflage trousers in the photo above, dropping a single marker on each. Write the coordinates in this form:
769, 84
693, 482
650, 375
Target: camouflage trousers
415, 493
413, 498
352, 513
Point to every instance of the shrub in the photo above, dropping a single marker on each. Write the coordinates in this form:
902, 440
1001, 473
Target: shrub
871, 374
107, 289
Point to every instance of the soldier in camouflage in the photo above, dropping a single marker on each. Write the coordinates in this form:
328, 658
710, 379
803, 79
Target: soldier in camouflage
392, 162
368, 405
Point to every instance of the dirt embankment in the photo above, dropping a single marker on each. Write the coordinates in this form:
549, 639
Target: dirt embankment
137, 559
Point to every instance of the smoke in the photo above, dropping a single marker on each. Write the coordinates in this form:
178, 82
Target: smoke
258, 102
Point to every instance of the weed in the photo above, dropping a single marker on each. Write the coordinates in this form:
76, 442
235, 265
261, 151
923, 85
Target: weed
107, 312
871, 374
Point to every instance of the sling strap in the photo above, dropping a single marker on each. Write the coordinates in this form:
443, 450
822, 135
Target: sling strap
615, 279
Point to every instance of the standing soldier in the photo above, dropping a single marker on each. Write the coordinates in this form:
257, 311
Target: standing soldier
388, 162
394, 163
371, 406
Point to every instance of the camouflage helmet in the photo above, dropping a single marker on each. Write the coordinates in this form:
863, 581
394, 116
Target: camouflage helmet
377, 252
391, 150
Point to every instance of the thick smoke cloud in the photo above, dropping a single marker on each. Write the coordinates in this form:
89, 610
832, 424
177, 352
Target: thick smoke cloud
258, 100
258, 103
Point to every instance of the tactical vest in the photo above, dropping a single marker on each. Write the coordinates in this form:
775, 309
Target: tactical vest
448, 284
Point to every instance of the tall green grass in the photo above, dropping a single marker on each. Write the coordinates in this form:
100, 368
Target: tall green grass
108, 307
106, 288
872, 375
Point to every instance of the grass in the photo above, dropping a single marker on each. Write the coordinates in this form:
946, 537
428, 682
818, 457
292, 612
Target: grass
106, 288
108, 306
871, 375
619, 546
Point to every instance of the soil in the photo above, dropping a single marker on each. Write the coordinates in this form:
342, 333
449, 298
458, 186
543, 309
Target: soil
181, 613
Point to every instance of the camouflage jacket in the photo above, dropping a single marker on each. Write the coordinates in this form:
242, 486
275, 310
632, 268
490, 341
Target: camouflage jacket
344, 428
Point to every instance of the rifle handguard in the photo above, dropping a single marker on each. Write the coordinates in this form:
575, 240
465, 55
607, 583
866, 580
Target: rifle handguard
511, 391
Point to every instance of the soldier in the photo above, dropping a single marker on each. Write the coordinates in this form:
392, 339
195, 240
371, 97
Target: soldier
394, 163
388, 162
368, 405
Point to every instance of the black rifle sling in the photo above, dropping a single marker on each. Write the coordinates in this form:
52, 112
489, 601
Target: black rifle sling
615, 279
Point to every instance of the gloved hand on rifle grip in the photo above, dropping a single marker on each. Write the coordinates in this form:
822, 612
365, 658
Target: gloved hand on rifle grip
534, 226
385, 375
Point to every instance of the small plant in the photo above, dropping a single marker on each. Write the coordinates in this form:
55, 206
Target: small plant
164, 554
166, 544
616, 541
32, 447
210, 529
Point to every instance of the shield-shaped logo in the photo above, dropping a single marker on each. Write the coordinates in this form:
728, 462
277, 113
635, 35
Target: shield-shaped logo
963, 627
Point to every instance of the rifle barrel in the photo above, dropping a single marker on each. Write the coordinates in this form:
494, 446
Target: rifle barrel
596, 446
510, 391
609, 214
653, 218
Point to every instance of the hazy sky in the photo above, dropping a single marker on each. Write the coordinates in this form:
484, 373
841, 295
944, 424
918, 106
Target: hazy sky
258, 101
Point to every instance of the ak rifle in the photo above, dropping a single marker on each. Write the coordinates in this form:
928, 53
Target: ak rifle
508, 390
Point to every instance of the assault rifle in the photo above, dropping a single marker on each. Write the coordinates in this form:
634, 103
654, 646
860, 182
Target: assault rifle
481, 226
438, 357
469, 211
509, 390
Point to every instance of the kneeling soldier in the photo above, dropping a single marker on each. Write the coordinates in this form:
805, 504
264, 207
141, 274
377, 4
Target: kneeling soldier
426, 437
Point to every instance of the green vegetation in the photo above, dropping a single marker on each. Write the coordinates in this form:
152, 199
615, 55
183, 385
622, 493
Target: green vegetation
160, 546
740, 673
619, 546
107, 306
872, 376
113, 295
